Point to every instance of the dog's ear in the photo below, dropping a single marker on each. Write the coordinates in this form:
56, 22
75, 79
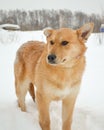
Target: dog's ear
48, 32
85, 31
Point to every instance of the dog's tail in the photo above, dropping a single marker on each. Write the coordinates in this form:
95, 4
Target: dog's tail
19, 69
19, 72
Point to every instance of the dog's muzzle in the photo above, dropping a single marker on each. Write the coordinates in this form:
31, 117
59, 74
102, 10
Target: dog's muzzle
51, 59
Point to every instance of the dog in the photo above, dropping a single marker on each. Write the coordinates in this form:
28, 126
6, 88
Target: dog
55, 68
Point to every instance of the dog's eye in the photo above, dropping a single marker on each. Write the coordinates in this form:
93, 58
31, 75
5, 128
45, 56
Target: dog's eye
51, 42
63, 43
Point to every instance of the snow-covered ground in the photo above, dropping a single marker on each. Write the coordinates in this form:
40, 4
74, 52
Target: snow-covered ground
89, 110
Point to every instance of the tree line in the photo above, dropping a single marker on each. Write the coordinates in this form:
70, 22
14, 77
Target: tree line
40, 19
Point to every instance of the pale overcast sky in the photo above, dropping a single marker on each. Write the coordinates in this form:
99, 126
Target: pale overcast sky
87, 6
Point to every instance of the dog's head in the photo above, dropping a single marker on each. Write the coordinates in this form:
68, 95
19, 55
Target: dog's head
64, 45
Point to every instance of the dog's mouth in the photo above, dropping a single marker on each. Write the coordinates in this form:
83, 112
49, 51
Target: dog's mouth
53, 60
63, 60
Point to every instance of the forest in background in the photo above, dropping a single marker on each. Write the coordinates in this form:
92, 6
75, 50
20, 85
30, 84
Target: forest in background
40, 19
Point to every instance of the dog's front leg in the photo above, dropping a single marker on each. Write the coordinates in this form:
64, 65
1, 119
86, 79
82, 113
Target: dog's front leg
68, 104
43, 108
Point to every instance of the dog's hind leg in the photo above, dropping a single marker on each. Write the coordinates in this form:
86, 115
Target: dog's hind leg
21, 91
32, 91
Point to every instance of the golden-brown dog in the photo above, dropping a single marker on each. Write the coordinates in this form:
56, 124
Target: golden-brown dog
55, 68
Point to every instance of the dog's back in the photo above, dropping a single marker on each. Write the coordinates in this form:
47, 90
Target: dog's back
27, 57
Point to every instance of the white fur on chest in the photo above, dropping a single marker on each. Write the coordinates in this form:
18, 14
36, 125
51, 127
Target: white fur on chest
57, 93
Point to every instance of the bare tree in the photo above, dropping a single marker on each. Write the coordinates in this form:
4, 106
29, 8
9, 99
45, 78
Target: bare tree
39, 19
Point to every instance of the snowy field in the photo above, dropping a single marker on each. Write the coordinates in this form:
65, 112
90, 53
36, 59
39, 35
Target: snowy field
89, 110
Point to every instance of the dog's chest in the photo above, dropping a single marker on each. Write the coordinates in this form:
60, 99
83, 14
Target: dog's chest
57, 93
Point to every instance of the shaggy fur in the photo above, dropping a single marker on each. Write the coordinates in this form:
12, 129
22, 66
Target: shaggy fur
55, 68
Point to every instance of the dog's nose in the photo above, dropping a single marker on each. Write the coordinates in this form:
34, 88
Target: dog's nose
51, 58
